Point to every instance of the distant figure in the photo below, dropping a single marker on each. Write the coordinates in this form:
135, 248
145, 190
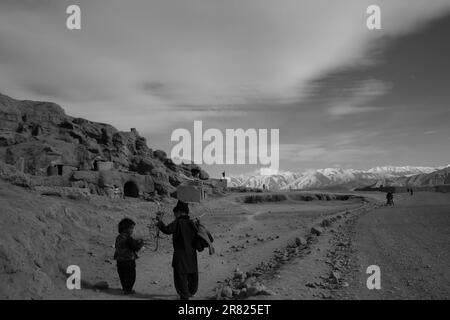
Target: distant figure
223, 175
184, 261
126, 254
412, 192
389, 199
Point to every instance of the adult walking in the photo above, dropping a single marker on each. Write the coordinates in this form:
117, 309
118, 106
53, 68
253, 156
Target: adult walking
389, 199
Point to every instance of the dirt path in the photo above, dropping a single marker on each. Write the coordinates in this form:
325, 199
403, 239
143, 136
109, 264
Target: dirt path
245, 236
411, 245
409, 242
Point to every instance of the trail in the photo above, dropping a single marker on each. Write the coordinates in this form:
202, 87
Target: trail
410, 242
259, 230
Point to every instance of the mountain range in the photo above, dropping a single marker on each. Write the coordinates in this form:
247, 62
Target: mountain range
338, 178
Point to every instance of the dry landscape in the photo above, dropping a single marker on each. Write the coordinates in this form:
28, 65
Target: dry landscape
297, 248
66, 182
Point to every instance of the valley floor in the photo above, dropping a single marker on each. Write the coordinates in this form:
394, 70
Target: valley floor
43, 235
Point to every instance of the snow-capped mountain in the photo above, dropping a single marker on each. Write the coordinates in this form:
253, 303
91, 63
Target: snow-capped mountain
434, 178
331, 178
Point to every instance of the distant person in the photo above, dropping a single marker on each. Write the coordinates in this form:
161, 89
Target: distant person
184, 261
223, 175
389, 199
412, 192
126, 254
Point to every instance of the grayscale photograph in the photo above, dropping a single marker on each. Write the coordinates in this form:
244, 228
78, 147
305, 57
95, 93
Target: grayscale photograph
230, 156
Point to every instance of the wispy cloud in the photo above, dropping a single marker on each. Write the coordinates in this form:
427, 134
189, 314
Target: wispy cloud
356, 100
226, 53
347, 147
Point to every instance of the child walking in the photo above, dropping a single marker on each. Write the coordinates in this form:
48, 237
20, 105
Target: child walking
126, 254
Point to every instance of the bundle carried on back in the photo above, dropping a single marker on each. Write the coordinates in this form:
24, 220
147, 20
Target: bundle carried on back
204, 238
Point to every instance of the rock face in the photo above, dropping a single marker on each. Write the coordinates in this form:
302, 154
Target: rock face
46, 141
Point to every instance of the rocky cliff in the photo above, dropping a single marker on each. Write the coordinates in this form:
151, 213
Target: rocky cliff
36, 135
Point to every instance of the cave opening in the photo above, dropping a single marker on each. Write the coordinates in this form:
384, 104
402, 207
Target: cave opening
130, 189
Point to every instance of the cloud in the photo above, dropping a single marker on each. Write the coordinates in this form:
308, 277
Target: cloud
346, 147
431, 132
344, 110
358, 97
192, 52
324, 152
159, 65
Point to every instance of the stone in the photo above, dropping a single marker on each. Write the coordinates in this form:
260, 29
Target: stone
253, 290
249, 282
227, 292
316, 231
160, 155
266, 292
325, 223
300, 241
203, 175
335, 276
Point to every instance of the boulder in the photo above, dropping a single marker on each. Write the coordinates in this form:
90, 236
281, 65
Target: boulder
227, 292
316, 231
300, 241
10, 138
160, 155
143, 165
325, 223
203, 175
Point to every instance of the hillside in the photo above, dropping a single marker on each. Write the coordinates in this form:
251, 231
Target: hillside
41, 140
439, 177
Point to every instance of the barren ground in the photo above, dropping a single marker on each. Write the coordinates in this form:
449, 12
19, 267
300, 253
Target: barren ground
43, 235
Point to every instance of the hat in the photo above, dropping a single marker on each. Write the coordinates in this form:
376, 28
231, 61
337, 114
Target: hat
181, 206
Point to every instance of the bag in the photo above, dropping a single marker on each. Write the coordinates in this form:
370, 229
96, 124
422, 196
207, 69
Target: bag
203, 238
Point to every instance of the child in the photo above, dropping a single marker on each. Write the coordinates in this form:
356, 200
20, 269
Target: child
184, 261
126, 248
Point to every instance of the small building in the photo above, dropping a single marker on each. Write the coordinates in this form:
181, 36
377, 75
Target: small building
193, 191
103, 165
58, 169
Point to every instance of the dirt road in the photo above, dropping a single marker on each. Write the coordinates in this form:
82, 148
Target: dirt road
409, 242
245, 236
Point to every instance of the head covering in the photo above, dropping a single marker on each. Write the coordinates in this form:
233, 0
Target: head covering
125, 223
181, 206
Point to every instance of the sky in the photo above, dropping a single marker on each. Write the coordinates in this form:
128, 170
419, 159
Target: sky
340, 94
